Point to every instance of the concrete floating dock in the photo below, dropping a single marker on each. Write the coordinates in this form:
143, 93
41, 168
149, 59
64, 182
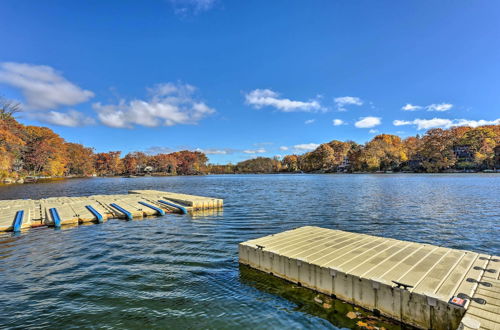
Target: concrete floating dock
57, 211
426, 286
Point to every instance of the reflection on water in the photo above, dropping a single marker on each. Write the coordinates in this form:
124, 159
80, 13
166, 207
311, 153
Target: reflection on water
202, 214
181, 271
336, 311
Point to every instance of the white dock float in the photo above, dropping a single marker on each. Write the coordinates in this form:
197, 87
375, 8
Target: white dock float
98, 208
414, 283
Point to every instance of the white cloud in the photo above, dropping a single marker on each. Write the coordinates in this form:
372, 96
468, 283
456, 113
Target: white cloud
398, 122
368, 122
338, 122
169, 104
305, 146
309, 121
260, 98
72, 118
42, 87
444, 123
373, 131
439, 107
344, 101
185, 7
255, 151
411, 107
283, 148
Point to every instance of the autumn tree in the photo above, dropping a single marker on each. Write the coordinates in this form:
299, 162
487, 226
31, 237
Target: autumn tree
12, 145
130, 164
45, 152
384, 152
437, 150
190, 162
165, 163
80, 159
108, 163
481, 142
290, 163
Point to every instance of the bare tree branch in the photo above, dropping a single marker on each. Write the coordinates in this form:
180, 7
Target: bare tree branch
8, 108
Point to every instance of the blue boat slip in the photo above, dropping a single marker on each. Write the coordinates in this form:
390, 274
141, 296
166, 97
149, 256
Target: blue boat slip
55, 217
122, 210
97, 215
157, 209
18, 221
181, 208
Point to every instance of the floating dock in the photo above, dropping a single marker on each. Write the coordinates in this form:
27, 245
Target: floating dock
16, 215
422, 285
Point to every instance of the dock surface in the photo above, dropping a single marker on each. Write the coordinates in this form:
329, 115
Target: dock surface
422, 285
57, 211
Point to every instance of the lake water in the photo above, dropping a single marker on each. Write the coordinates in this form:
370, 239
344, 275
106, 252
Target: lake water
182, 271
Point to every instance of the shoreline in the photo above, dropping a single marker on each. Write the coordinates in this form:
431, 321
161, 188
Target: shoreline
13, 182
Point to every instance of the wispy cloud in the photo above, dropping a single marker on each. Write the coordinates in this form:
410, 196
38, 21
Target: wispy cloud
338, 122
411, 107
189, 7
368, 122
284, 148
439, 107
309, 121
305, 147
431, 107
255, 151
154, 150
423, 124
373, 131
260, 98
214, 151
344, 101
42, 86
169, 104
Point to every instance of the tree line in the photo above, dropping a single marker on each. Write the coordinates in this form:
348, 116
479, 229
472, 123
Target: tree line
438, 150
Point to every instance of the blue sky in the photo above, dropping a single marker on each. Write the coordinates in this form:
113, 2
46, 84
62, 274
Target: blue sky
239, 79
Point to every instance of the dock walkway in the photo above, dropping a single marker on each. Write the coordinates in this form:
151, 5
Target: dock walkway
422, 285
19, 214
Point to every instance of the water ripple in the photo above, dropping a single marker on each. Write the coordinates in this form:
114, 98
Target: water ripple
182, 271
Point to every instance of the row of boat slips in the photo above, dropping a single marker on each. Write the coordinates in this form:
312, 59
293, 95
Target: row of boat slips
57, 211
422, 285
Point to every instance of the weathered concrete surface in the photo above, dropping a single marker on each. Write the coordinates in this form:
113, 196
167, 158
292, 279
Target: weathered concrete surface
485, 316
72, 210
8, 212
362, 269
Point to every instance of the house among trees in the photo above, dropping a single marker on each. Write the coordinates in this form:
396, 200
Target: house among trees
345, 165
463, 153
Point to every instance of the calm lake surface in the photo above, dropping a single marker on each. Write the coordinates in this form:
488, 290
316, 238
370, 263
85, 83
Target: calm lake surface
182, 271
